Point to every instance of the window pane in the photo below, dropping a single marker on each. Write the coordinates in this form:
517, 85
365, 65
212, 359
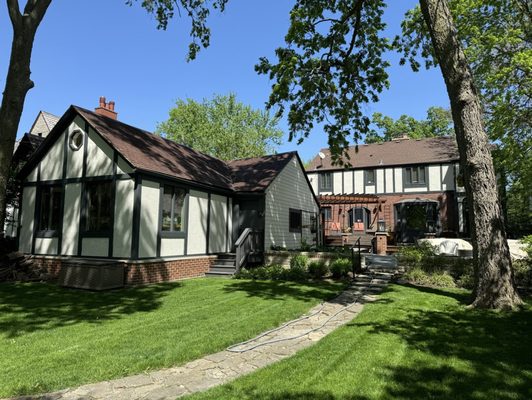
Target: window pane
370, 176
325, 181
359, 215
414, 175
99, 206
167, 209
421, 174
179, 202
326, 213
50, 208
295, 220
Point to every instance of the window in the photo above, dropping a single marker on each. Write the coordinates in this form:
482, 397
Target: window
415, 176
50, 208
76, 140
294, 219
327, 213
369, 176
173, 202
325, 182
99, 205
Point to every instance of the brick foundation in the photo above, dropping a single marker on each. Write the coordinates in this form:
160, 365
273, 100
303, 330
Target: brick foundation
140, 273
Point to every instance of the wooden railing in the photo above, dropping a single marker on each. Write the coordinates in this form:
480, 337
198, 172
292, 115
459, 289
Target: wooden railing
249, 242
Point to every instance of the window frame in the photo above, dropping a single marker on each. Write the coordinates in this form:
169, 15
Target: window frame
408, 174
329, 211
321, 181
91, 232
367, 181
184, 217
49, 233
290, 227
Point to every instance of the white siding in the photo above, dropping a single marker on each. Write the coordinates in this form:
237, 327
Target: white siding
415, 189
379, 180
348, 182
337, 182
75, 157
434, 177
32, 176
288, 190
313, 178
398, 172
123, 224
359, 182
46, 246
448, 177
370, 189
149, 216
172, 247
198, 204
69, 245
99, 156
95, 247
218, 224
123, 167
52, 163
389, 180
26, 220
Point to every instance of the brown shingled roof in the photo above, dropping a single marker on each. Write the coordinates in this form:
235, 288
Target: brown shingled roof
396, 152
255, 174
149, 152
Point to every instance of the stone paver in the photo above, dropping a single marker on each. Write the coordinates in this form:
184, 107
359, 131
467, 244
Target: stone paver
216, 369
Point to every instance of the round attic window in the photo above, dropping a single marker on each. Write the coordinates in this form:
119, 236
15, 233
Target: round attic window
76, 140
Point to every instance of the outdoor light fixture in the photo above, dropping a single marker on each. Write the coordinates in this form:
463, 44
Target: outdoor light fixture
381, 225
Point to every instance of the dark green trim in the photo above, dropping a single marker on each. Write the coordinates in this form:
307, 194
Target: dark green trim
208, 233
136, 218
83, 199
227, 224
118, 177
63, 194
113, 204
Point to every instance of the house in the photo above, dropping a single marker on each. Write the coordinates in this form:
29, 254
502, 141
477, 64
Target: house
101, 190
413, 188
24, 149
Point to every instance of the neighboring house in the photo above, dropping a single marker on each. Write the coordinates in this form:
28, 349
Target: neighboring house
100, 189
412, 186
24, 149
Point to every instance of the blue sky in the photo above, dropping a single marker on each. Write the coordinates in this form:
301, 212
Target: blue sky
90, 48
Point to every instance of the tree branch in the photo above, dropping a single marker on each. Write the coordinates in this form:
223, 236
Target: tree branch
14, 12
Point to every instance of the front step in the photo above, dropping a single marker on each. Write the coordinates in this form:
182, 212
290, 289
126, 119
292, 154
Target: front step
224, 266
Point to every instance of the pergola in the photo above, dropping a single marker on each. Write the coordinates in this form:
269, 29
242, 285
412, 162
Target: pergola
327, 199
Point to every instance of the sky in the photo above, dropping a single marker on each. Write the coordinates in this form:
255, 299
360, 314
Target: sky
85, 49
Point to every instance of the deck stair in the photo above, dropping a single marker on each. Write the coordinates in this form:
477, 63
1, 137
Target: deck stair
224, 266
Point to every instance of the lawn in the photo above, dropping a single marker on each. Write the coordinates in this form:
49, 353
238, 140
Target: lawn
52, 338
412, 343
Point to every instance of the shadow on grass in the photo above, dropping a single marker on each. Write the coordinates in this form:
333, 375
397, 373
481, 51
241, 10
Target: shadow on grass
278, 289
29, 307
480, 354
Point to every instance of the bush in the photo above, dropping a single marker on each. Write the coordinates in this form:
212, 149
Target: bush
317, 269
417, 275
523, 272
442, 279
527, 241
420, 277
340, 267
299, 261
413, 255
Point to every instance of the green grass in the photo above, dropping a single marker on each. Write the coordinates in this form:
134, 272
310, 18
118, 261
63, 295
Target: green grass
52, 338
413, 343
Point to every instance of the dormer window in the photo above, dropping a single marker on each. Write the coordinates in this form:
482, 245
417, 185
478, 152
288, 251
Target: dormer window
76, 140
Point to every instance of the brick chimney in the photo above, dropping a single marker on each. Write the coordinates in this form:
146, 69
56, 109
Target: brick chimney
106, 109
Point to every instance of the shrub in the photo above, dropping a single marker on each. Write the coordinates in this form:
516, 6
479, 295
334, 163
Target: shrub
466, 280
317, 269
299, 261
340, 267
527, 241
417, 275
442, 279
413, 255
523, 272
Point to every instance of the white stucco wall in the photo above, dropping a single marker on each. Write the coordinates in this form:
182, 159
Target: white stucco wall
75, 157
71, 218
348, 182
123, 224
313, 178
99, 156
379, 180
398, 173
288, 190
52, 163
359, 181
337, 181
218, 224
26, 221
172, 247
95, 247
149, 216
389, 180
197, 222
448, 177
434, 177
46, 246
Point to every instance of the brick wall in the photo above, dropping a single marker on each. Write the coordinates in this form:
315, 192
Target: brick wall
145, 272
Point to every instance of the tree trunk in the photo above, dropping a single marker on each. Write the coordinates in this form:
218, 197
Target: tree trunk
494, 284
18, 83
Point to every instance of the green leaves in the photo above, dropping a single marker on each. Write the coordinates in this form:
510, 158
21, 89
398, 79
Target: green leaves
330, 67
197, 10
222, 127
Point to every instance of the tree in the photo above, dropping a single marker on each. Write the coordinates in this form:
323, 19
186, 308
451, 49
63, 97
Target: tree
332, 65
497, 39
438, 123
222, 127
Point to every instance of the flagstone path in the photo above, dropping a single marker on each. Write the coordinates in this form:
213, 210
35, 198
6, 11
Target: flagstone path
227, 365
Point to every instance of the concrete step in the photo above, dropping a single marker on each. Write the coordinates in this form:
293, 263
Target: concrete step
225, 261
218, 274
223, 268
